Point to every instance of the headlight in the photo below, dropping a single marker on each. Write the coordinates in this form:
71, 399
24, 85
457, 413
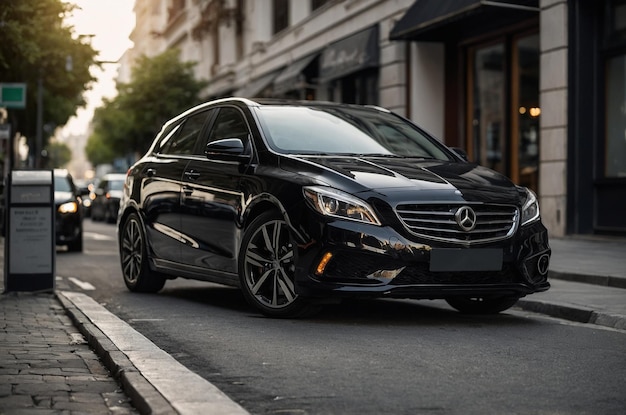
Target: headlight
69, 207
333, 202
530, 211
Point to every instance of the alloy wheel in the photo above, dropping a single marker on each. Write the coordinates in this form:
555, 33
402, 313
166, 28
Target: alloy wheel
131, 251
269, 265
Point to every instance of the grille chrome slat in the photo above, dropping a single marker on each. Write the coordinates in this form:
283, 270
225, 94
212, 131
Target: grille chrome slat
437, 222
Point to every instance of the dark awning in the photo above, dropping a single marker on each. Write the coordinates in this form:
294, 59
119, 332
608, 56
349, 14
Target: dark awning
254, 88
354, 53
438, 20
291, 78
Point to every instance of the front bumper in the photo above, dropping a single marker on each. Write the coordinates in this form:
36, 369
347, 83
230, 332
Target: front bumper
68, 228
367, 260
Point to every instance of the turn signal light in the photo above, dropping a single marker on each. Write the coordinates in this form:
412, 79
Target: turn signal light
321, 266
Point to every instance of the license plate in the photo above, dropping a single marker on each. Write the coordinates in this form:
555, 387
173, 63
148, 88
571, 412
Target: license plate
454, 259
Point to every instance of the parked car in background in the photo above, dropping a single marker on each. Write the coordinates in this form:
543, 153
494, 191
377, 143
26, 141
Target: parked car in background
85, 188
105, 199
69, 215
304, 203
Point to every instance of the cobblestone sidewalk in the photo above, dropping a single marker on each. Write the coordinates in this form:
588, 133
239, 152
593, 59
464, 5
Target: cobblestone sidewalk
46, 366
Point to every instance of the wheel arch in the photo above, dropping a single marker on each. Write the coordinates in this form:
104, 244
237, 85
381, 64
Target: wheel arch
264, 203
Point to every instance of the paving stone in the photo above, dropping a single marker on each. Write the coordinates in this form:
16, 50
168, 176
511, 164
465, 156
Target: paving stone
15, 401
46, 366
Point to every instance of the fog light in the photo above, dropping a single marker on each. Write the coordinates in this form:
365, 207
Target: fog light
321, 266
543, 263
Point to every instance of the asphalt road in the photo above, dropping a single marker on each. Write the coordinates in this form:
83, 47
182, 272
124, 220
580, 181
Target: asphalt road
363, 357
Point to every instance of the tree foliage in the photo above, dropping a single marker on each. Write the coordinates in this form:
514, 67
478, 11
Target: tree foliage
35, 42
160, 88
57, 155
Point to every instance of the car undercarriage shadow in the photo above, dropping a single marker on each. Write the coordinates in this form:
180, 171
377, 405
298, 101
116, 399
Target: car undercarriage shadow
351, 311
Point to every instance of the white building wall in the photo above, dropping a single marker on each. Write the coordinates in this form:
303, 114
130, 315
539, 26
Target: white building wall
553, 124
319, 29
308, 32
298, 11
427, 82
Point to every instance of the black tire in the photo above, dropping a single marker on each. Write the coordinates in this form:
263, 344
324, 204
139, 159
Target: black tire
267, 269
482, 305
110, 216
134, 258
94, 215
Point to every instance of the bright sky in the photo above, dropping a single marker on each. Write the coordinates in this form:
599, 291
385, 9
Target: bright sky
110, 21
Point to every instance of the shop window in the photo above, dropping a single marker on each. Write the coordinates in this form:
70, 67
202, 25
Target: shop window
615, 164
488, 145
281, 15
503, 107
316, 4
525, 111
615, 30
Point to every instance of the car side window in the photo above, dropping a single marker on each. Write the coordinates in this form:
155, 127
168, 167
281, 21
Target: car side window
184, 138
229, 123
165, 137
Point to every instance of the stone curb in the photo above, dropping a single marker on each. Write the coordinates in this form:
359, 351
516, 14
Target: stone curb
577, 314
606, 281
145, 398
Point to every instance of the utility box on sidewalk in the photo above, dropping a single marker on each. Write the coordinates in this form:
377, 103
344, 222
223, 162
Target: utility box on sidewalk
30, 245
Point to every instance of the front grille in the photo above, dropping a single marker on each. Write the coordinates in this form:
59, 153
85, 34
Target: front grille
437, 222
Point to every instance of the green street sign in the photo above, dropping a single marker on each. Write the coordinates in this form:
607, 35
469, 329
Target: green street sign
13, 95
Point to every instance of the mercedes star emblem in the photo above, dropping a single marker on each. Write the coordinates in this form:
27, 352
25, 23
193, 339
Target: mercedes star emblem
465, 218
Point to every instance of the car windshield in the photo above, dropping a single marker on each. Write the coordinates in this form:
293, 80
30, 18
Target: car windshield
344, 131
62, 184
116, 184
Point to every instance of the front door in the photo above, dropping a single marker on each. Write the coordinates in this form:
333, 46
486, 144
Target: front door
212, 201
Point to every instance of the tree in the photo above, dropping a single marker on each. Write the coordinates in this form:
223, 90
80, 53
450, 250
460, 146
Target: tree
57, 155
35, 43
160, 88
97, 151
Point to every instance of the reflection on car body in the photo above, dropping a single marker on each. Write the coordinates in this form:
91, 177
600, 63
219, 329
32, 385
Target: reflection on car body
304, 203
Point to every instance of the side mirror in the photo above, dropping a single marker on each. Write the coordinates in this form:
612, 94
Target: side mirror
460, 152
228, 149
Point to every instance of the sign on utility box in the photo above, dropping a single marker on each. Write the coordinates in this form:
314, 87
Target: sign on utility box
30, 249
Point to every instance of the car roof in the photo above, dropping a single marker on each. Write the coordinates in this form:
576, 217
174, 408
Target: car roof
259, 102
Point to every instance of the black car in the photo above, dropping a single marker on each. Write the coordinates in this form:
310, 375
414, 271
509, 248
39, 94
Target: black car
105, 199
69, 217
304, 203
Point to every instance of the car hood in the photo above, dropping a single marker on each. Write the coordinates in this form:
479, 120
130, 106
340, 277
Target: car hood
390, 175
62, 197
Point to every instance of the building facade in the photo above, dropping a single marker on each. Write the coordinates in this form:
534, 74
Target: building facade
531, 88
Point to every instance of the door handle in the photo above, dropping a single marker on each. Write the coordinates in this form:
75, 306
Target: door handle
192, 175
